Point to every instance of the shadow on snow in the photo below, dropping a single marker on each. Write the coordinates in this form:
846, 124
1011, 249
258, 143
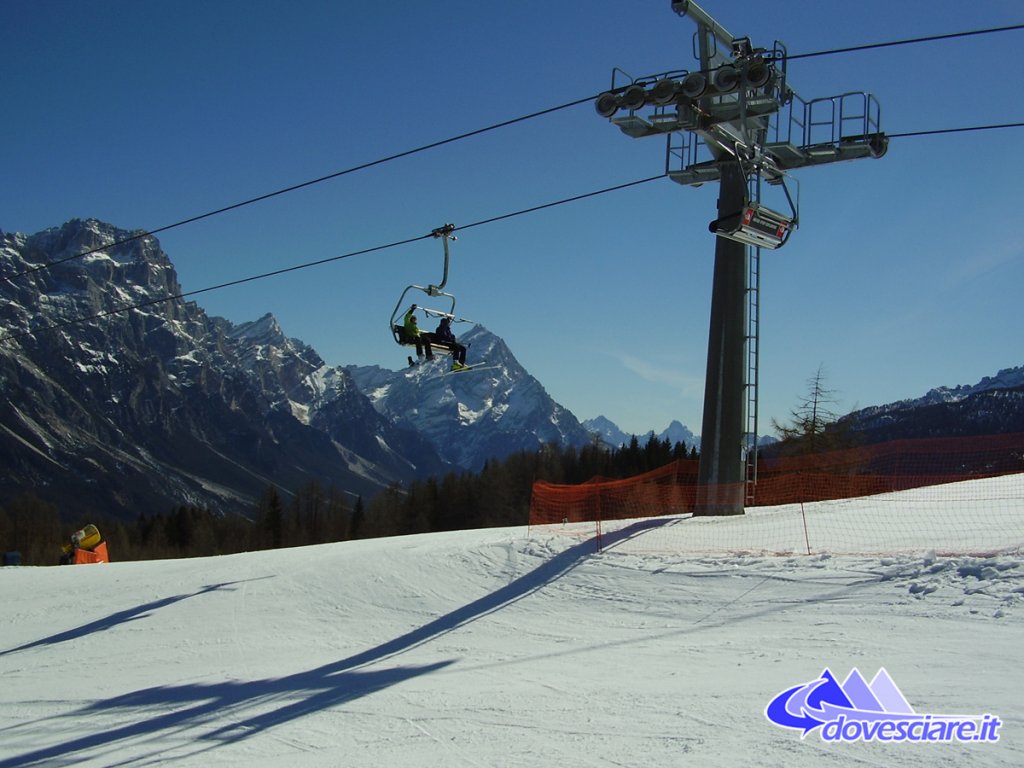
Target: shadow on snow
121, 617
181, 708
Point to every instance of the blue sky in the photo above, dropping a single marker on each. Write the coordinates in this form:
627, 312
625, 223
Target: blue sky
905, 274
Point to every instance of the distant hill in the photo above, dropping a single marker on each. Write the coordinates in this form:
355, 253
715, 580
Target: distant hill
994, 405
614, 437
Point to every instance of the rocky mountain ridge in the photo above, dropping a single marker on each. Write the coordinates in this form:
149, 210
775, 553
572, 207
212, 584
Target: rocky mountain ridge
614, 437
135, 410
474, 416
992, 406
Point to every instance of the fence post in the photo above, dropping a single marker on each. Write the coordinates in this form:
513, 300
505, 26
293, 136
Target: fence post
807, 539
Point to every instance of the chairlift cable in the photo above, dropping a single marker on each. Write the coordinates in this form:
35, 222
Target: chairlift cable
953, 130
306, 265
574, 199
453, 139
909, 41
196, 292
311, 182
482, 222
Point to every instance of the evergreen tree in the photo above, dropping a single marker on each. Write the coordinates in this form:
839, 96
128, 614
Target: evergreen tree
356, 523
32, 527
271, 517
813, 426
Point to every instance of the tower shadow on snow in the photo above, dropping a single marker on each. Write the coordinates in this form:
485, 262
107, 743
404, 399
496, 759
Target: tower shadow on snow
196, 704
121, 617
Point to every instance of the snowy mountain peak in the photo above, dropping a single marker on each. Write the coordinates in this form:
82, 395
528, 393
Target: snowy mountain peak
265, 340
677, 433
266, 330
1008, 378
101, 243
94, 267
473, 416
613, 436
607, 430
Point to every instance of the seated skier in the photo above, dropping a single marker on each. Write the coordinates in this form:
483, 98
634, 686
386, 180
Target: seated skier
418, 337
443, 335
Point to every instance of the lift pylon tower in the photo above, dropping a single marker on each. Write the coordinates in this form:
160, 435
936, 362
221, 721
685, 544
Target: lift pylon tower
735, 120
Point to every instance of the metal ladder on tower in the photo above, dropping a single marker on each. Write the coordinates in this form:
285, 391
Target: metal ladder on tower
753, 355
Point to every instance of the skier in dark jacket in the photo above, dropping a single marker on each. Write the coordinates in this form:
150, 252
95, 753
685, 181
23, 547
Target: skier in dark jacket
444, 335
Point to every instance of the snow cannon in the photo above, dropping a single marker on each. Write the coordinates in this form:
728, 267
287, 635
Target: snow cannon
87, 546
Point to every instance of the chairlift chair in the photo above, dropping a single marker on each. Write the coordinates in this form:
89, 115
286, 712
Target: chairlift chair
433, 291
756, 224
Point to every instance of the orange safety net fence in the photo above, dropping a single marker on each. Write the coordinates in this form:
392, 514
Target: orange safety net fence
881, 488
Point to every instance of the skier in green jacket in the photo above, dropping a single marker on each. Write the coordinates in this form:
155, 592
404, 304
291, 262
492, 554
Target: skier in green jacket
413, 332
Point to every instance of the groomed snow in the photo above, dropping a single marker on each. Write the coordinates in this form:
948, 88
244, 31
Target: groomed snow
499, 647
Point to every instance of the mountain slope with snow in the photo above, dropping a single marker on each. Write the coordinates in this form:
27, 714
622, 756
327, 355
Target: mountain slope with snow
476, 415
128, 412
609, 432
994, 405
119, 397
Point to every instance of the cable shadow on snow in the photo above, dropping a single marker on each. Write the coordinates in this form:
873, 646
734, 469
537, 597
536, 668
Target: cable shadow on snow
181, 709
715, 618
121, 617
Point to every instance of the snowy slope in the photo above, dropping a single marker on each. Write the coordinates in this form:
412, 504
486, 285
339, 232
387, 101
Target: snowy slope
495, 648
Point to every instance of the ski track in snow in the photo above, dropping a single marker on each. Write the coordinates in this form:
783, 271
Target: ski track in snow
494, 648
